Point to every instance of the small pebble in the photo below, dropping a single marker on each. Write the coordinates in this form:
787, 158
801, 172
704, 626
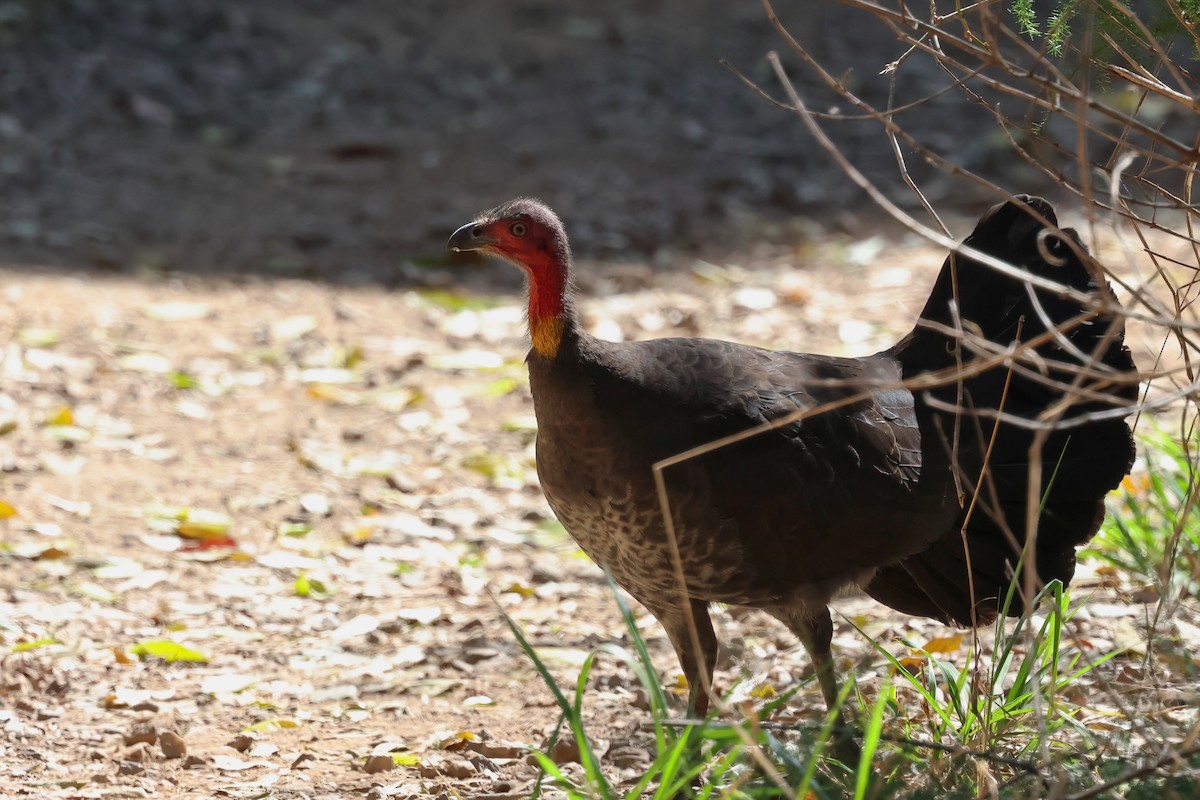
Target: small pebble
565, 750
172, 744
139, 752
242, 742
143, 732
754, 298
378, 764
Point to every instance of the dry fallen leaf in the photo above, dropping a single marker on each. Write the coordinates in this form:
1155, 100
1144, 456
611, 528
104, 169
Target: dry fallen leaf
227, 763
943, 644
519, 589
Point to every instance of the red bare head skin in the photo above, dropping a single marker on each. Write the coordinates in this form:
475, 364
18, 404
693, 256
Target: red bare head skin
527, 233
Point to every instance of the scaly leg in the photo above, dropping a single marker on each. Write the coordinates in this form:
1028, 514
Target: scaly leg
815, 632
697, 667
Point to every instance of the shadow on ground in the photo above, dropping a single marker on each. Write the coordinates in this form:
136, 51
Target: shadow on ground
343, 141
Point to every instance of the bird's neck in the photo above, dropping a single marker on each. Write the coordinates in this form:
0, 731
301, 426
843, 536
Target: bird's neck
551, 314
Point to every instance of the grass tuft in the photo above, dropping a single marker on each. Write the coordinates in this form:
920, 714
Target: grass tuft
1027, 711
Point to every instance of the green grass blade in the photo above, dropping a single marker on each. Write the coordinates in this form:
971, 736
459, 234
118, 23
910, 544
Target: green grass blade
871, 738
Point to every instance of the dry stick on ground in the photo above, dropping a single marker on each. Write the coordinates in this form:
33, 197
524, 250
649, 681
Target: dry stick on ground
1175, 756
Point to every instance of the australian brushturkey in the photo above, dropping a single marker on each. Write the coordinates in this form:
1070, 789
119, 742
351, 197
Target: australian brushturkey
878, 490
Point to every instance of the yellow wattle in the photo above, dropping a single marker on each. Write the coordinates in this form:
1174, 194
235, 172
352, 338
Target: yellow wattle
546, 334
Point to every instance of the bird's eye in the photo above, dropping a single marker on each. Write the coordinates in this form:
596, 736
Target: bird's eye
1051, 248
518, 229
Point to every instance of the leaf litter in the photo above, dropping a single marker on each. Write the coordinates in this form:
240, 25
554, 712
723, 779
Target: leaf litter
276, 538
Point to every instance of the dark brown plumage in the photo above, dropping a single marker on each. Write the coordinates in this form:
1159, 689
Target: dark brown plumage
866, 493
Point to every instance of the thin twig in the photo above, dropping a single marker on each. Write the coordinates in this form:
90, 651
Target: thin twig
1172, 755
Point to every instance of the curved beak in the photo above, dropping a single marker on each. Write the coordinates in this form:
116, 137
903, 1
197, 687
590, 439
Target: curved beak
468, 238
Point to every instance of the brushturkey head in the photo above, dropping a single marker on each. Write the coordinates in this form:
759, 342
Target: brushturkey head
523, 231
527, 233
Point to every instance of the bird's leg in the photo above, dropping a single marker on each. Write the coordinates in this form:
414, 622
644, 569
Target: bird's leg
815, 632
697, 667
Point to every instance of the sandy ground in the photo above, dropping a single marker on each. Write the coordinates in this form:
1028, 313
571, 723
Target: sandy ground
326, 495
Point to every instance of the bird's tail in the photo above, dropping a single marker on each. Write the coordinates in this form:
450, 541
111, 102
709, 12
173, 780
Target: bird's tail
1021, 358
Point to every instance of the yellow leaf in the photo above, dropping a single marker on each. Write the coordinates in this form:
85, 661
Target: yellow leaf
1103, 712
269, 725
457, 740
500, 387
167, 651
39, 337
309, 587
912, 663
943, 644
354, 357
1135, 484
7, 510
519, 588
64, 416
1100, 725
359, 536
41, 641
329, 393
202, 524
